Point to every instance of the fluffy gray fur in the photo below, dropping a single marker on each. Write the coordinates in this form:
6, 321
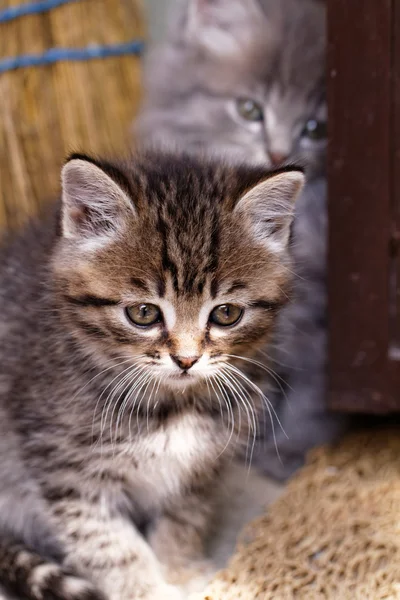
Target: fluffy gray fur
114, 433
272, 52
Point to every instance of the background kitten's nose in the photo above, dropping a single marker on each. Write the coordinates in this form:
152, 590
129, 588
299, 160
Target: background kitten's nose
277, 158
185, 362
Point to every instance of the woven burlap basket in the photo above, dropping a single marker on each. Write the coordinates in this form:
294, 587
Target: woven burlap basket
333, 535
47, 111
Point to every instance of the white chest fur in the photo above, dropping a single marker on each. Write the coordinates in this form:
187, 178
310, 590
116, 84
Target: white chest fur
158, 464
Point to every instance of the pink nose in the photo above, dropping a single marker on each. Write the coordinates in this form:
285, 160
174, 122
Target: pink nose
185, 362
277, 158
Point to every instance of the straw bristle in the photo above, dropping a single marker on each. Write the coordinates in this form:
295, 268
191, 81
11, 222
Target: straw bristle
48, 111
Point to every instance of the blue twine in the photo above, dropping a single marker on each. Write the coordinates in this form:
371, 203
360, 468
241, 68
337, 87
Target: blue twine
70, 54
13, 12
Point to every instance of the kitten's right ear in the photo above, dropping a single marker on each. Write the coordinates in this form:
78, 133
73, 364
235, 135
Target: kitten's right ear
94, 205
268, 208
220, 25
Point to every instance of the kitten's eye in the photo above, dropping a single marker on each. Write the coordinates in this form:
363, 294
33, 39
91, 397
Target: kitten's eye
226, 314
315, 130
249, 109
144, 315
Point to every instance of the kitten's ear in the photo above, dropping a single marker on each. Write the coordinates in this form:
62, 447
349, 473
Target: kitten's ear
268, 208
221, 25
93, 204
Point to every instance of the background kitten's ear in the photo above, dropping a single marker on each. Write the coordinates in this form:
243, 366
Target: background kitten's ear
269, 208
222, 25
93, 204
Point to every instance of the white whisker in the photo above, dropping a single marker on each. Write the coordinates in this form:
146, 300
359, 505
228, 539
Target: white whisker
281, 364
121, 374
268, 404
144, 378
268, 370
150, 379
245, 398
219, 402
122, 408
148, 404
231, 416
155, 395
130, 381
104, 413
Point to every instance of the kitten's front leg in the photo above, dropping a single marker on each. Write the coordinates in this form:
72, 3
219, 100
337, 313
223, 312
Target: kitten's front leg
178, 538
105, 547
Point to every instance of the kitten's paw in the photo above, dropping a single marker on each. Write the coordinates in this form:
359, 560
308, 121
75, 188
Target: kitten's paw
75, 588
51, 581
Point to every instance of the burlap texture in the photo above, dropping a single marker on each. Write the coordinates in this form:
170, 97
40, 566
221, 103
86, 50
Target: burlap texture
335, 533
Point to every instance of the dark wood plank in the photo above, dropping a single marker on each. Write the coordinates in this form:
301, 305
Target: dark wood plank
394, 352
359, 174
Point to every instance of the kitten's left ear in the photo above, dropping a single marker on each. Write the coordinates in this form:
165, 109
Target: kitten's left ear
268, 208
94, 205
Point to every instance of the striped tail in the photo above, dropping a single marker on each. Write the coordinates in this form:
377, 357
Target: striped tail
25, 574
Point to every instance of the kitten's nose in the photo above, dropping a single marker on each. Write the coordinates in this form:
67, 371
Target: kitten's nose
185, 362
277, 158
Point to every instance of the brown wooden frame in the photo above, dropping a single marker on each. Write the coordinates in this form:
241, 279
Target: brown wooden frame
364, 204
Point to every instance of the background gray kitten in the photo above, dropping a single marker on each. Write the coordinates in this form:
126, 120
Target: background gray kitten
245, 79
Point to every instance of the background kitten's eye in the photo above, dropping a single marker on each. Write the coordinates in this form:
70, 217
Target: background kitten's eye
249, 109
315, 130
226, 314
144, 315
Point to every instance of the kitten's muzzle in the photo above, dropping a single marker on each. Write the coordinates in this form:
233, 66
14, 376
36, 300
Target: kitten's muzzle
185, 362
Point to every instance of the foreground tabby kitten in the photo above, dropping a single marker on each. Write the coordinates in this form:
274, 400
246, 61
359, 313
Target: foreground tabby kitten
124, 315
246, 79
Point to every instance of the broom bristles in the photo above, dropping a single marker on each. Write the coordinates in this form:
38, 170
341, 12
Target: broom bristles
47, 111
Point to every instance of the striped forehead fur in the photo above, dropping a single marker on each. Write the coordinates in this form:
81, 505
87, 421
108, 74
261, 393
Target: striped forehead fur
184, 200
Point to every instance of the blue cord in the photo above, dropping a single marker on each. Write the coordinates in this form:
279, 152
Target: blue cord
30, 9
74, 54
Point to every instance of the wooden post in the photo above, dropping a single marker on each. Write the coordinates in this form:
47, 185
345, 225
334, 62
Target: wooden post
363, 183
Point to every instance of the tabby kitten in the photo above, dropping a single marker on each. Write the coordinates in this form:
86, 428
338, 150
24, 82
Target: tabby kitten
127, 316
245, 79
